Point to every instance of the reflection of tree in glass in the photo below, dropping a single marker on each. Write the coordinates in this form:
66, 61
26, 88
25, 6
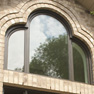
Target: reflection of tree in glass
78, 66
51, 58
19, 69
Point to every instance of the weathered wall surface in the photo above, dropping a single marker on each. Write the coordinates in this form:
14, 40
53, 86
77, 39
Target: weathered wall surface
17, 11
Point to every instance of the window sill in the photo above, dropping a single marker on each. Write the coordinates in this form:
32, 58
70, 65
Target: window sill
33, 81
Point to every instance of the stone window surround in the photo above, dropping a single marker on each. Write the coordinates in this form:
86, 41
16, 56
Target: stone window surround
78, 30
13, 29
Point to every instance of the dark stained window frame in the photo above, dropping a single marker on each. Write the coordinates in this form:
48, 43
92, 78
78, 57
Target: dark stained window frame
71, 39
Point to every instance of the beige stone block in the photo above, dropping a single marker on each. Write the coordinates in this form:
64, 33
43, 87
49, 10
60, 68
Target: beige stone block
1, 62
82, 88
39, 81
20, 19
21, 80
2, 53
52, 83
48, 83
66, 88
22, 10
43, 82
11, 16
6, 76
20, 5
78, 88
27, 14
1, 92
29, 10
2, 36
1, 89
2, 44
15, 78
1, 78
10, 73
12, 21
25, 76
2, 40
1, 75
92, 89
1, 66
86, 89
1, 70
3, 31
15, 10
10, 11
34, 80
40, 5
24, 20
1, 84
19, 15
29, 80
1, 58
70, 87
57, 84
61, 85
89, 89
32, 8
74, 87
6, 18
17, 20
2, 21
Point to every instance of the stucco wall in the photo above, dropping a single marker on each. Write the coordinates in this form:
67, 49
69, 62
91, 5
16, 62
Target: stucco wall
17, 11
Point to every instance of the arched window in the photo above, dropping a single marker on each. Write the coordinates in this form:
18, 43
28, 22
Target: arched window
45, 46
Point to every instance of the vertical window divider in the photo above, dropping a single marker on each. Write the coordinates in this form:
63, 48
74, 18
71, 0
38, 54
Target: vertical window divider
70, 52
6, 53
26, 50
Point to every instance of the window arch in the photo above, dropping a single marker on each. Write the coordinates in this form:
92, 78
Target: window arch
49, 48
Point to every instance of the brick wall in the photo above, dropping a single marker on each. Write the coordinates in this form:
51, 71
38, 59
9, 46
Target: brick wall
17, 11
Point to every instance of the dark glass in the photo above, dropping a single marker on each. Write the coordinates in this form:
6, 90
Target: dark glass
16, 90
13, 90
80, 67
48, 47
16, 51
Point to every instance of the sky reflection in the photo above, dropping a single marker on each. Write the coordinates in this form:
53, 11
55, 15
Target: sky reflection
43, 27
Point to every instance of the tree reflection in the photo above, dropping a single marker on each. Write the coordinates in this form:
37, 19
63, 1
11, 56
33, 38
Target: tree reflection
51, 58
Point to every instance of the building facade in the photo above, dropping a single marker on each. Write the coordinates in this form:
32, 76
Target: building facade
17, 15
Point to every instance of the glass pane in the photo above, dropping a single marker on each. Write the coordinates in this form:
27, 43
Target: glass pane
13, 90
80, 68
16, 51
48, 47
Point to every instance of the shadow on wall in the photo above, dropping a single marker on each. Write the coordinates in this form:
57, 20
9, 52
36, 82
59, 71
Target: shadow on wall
7, 4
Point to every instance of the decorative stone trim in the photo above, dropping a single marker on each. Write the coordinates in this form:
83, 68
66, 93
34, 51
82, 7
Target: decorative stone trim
33, 81
80, 22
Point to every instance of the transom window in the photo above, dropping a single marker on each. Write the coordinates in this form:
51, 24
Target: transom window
45, 46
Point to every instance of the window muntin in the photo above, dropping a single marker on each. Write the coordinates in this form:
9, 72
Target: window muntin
48, 47
80, 64
69, 40
16, 51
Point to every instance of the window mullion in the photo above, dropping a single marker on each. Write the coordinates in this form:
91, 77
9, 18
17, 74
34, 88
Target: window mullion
6, 53
26, 51
71, 68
